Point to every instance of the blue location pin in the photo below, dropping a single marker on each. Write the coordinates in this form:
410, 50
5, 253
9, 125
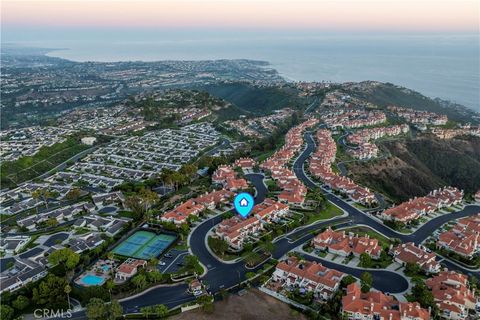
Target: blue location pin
243, 203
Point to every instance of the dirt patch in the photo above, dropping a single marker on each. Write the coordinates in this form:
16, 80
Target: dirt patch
252, 305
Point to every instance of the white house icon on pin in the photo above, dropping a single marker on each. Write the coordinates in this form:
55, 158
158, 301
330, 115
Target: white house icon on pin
243, 202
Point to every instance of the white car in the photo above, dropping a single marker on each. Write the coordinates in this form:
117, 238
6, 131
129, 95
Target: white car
161, 263
196, 293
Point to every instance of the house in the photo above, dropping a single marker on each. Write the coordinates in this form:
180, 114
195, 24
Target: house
409, 253
234, 184
463, 238
215, 198
20, 274
452, 294
338, 242
13, 244
115, 228
320, 167
245, 163
236, 230
129, 268
376, 305
197, 205
310, 276
106, 199
180, 214
223, 173
419, 206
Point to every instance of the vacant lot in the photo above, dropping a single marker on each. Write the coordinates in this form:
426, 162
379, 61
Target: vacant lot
253, 305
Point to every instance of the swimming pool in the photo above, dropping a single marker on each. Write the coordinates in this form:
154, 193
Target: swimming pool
144, 245
92, 280
105, 268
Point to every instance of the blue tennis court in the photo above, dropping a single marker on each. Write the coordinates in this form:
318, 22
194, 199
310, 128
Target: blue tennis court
144, 245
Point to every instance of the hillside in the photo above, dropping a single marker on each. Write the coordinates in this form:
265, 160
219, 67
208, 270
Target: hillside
420, 165
258, 100
384, 94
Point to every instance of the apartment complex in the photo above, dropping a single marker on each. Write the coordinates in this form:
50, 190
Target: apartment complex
417, 207
320, 167
376, 305
307, 275
409, 253
341, 243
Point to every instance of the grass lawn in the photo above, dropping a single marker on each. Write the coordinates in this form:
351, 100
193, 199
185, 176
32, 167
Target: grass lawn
126, 214
329, 212
359, 206
29, 167
31, 244
262, 157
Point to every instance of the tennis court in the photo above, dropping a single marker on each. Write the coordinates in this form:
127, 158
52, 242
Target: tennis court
144, 245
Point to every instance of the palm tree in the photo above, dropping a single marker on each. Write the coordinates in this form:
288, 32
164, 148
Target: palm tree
252, 258
110, 285
152, 263
36, 197
67, 290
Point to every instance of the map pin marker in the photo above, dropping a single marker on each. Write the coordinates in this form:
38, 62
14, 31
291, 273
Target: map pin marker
243, 203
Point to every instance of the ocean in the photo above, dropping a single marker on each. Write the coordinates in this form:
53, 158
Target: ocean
444, 66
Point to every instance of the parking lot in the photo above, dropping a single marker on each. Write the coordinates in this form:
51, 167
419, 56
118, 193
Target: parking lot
173, 260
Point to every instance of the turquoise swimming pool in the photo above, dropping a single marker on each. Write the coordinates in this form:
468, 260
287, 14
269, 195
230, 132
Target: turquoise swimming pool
92, 280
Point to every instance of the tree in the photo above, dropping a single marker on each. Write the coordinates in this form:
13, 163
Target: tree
21, 303
189, 170
50, 292
147, 311
152, 263
267, 246
218, 245
114, 310
318, 196
161, 310
110, 285
192, 265
73, 194
6, 312
67, 290
347, 281
154, 276
65, 257
366, 281
206, 302
365, 260
134, 203
148, 198
43, 194
51, 222
251, 258
139, 281
423, 295
96, 309
412, 269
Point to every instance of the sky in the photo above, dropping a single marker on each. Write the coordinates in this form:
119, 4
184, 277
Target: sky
428, 16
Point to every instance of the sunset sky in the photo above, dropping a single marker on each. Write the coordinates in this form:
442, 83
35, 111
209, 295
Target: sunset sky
383, 16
